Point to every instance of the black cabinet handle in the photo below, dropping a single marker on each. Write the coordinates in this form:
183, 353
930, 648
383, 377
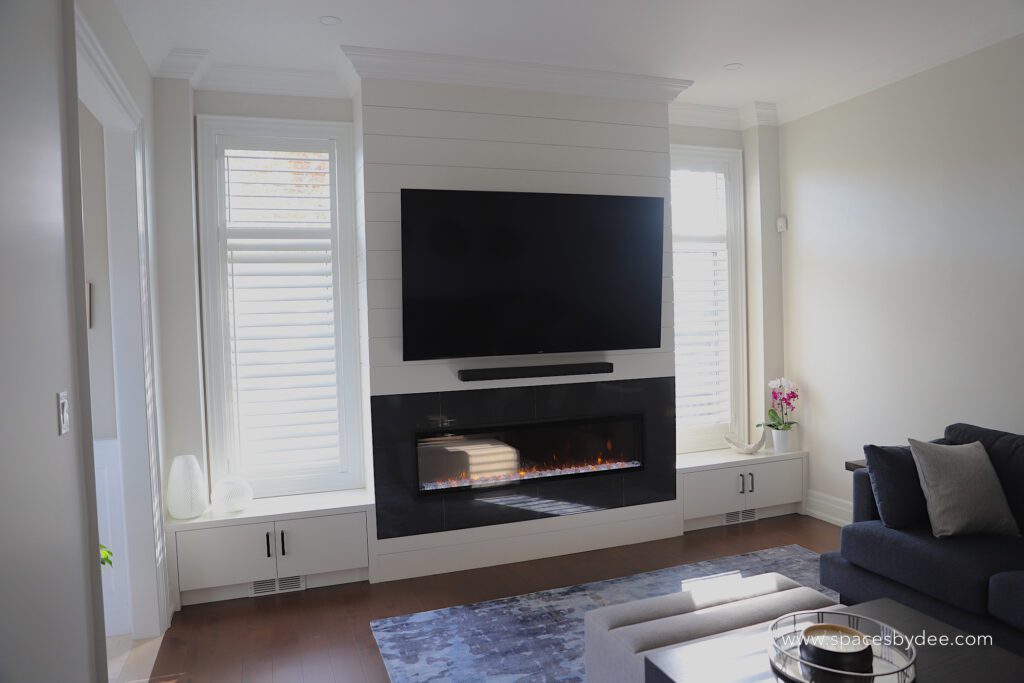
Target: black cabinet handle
751, 482
283, 551
268, 544
743, 483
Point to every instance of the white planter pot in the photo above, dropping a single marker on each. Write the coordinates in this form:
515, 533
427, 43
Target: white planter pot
784, 441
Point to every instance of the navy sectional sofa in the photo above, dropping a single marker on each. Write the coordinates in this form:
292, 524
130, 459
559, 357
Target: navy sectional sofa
975, 583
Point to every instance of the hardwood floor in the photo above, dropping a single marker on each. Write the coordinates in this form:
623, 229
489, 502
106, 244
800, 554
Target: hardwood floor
323, 634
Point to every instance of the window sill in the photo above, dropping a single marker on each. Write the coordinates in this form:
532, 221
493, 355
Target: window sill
280, 507
726, 457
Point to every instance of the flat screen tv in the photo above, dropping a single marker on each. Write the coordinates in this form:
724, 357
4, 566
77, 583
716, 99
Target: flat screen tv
510, 273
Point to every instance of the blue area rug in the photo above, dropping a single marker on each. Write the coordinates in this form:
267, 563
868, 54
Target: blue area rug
539, 636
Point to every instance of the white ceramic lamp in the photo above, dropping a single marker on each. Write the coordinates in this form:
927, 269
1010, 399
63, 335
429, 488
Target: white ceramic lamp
186, 488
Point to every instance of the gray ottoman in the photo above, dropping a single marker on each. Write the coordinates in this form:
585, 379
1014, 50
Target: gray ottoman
619, 636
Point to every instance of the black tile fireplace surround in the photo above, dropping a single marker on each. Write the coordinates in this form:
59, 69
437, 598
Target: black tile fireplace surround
616, 441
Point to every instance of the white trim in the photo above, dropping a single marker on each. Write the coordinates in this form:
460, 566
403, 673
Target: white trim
759, 114
729, 161
704, 116
831, 509
263, 80
338, 135
184, 62
132, 325
475, 71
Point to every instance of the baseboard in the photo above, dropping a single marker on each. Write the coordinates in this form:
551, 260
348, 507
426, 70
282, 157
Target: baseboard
427, 554
241, 590
698, 523
831, 509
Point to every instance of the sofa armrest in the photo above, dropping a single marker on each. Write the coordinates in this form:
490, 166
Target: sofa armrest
864, 507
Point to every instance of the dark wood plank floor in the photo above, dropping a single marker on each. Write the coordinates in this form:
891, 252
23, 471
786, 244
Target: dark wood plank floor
323, 634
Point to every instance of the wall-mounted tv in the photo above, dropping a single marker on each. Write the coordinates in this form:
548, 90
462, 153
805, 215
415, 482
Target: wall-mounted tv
508, 273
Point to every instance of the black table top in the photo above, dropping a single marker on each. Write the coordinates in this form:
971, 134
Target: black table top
742, 656
853, 465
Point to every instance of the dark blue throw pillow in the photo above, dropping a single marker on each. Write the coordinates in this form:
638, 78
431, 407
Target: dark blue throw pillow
896, 486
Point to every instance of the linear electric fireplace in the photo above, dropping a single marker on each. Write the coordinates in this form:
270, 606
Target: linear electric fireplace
510, 454
470, 458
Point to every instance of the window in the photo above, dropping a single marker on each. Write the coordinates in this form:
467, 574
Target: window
279, 309
709, 297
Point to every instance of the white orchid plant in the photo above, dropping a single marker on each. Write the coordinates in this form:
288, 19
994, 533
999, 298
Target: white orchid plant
784, 397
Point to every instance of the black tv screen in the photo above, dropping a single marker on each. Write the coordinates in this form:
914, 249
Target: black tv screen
507, 273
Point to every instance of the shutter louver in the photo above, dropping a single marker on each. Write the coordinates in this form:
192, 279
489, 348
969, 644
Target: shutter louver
281, 307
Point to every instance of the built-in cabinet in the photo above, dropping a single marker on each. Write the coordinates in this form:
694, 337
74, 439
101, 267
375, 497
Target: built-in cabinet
745, 486
246, 552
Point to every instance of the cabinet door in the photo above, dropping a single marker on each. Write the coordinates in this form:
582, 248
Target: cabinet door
313, 545
775, 483
713, 492
225, 555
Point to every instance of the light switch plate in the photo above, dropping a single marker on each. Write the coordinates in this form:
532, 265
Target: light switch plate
63, 414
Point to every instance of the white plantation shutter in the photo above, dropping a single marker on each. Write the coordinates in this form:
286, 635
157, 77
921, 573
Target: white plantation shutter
707, 296
274, 326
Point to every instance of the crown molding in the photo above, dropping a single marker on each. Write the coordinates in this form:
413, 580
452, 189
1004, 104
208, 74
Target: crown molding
184, 62
261, 80
704, 116
495, 73
759, 114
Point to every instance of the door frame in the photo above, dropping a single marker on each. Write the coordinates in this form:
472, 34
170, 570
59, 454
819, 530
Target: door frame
129, 247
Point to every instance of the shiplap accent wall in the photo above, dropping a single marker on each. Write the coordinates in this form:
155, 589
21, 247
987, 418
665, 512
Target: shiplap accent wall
454, 137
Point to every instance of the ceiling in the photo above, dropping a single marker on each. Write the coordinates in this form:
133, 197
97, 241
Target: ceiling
801, 54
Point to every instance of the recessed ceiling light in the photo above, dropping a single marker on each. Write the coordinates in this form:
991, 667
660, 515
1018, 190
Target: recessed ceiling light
329, 20
733, 66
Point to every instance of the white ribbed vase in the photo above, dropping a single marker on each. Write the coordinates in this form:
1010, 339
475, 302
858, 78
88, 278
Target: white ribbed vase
186, 488
785, 441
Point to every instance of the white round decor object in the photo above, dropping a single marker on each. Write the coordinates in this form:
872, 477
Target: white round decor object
231, 494
186, 488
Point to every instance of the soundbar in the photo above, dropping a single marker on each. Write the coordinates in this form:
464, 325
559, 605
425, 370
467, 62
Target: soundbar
484, 374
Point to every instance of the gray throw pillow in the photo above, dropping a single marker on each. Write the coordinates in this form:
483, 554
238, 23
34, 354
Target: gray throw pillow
962, 491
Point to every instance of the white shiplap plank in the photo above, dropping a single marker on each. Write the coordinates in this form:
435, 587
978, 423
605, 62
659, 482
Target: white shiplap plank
383, 265
393, 178
386, 149
411, 378
405, 122
383, 235
387, 322
384, 294
383, 207
443, 97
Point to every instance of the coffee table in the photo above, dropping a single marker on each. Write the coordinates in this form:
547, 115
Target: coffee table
742, 655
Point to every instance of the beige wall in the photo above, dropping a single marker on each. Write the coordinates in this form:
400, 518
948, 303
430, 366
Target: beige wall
272, 106
97, 272
903, 268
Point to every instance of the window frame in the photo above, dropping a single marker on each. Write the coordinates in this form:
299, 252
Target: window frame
728, 161
335, 137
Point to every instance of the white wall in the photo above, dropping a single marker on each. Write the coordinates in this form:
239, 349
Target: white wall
51, 625
434, 136
903, 261
702, 136
97, 272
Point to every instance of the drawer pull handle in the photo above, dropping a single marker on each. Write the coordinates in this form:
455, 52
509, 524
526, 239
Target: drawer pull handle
283, 551
268, 544
751, 482
743, 483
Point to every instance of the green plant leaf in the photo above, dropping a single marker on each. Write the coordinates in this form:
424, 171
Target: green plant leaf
106, 556
774, 416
